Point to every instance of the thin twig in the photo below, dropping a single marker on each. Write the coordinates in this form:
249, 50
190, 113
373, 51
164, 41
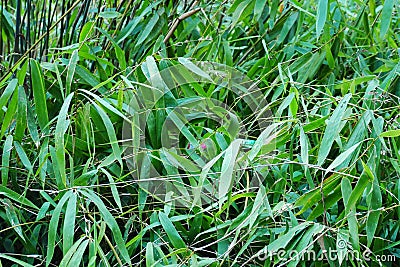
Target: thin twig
177, 21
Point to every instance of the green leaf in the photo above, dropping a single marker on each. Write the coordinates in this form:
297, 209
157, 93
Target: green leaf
314, 196
109, 14
341, 244
355, 81
7, 94
226, 179
329, 57
21, 73
5, 159
71, 70
193, 68
16, 197
39, 95
149, 255
32, 126
10, 114
111, 133
374, 201
260, 203
67, 257
362, 183
357, 135
322, 13
287, 27
259, 8
180, 161
305, 241
146, 31
43, 210
114, 190
342, 157
22, 263
350, 213
87, 29
118, 51
78, 255
22, 155
104, 103
266, 137
69, 223
61, 128
240, 12
386, 17
13, 217
89, 78
110, 221
173, 235
21, 124
53, 227
332, 129
391, 133
331, 199
180, 122
283, 241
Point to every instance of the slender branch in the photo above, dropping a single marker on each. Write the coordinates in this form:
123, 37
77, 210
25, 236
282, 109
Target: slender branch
177, 21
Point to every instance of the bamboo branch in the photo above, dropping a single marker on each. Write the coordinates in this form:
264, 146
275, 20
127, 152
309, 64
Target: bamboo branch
177, 21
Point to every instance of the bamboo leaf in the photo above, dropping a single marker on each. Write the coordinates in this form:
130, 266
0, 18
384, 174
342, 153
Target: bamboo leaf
13, 218
146, 31
22, 263
350, 213
374, 201
173, 235
110, 221
386, 17
226, 179
259, 8
283, 241
332, 129
118, 51
67, 257
342, 157
39, 95
10, 114
111, 133
149, 255
69, 224
362, 183
7, 94
109, 14
5, 159
61, 128
21, 115
53, 226
78, 255
17, 197
71, 71
391, 133
114, 190
22, 155
322, 13
193, 68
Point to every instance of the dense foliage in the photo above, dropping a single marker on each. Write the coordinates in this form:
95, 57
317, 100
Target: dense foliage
329, 161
